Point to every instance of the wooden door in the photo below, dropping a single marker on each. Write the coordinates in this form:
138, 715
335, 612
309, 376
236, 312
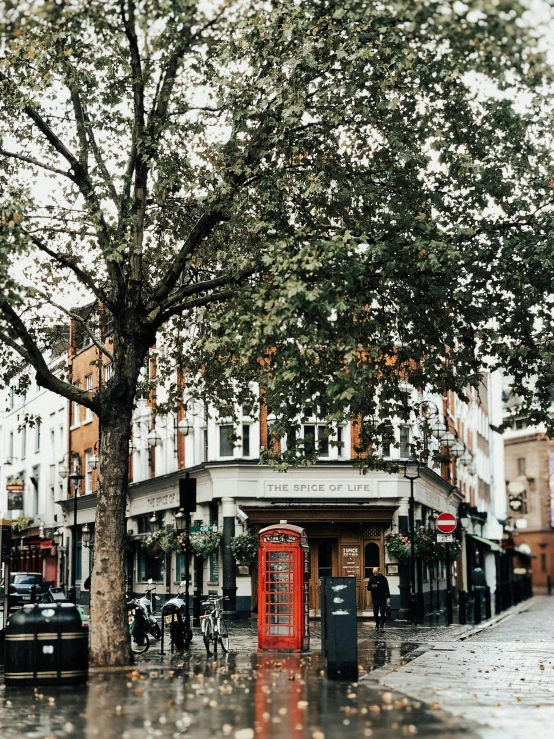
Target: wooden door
323, 563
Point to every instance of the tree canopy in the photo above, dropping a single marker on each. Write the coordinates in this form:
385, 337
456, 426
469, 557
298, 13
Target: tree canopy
334, 199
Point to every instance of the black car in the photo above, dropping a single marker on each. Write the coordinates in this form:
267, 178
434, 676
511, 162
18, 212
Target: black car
26, 587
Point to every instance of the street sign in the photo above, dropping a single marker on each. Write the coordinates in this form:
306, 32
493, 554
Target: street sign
445, 538
446, 523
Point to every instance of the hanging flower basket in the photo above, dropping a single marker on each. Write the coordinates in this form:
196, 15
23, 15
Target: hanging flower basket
204, 543
162, 542
398, 546
245, 549
430, 550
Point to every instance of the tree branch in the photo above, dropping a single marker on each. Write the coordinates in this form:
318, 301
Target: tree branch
203, 228
34, 162
196, 303
81, 275
81, 321
201, 287
31, 353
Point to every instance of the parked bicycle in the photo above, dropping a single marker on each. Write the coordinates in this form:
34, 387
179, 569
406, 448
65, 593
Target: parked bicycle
214, 628
174, 617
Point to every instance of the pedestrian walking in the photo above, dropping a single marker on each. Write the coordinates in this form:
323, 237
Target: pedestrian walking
378, 586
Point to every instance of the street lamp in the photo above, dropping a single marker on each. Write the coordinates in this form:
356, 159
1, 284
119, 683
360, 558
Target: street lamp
86, 537
411, 473
57, 538
154, 522
75, 478
182, 523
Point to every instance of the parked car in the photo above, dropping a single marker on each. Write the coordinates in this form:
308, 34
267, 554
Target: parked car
26, 587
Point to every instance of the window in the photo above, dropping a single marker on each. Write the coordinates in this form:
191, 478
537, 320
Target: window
245, 440
204, 445
404, 442
53, 444
372, 558
520, 423
214, 567
76, 409
10, 448
12, 398
340, 449
23, 441
149, 567
310, 440
226, 445
88, 472
521, 466
108, 372
37, 437
88, 387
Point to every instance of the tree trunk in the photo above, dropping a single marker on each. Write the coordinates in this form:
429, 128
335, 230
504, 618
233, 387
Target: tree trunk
110, 640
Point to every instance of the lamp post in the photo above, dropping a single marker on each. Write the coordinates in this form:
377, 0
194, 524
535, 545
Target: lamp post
75, 478
182, 523
411, 473
58, 541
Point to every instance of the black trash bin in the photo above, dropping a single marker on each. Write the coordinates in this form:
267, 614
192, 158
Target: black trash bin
46, 644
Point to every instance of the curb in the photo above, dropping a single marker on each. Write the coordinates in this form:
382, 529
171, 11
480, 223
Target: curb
492, 622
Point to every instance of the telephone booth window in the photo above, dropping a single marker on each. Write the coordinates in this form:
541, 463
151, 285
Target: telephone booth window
279, 593
372, 558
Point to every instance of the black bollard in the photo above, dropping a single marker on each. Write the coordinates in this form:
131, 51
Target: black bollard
549, 585
462, 601
477, 606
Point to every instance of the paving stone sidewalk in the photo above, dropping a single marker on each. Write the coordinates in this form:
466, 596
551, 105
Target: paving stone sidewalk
502, 678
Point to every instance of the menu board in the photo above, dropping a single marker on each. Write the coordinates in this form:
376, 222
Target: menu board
351, 561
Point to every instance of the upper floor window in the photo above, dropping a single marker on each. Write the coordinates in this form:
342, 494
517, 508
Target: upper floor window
88, 387
226, 445
37, 437
108, 371
12, 398
521, 467
23, 441
245, 440
316, 440
76, 409
404, 442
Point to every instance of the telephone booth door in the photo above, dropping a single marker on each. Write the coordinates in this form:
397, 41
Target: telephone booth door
283, 611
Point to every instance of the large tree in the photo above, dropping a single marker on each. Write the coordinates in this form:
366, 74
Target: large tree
316, 195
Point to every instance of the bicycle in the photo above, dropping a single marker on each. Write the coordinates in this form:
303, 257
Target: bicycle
214, 628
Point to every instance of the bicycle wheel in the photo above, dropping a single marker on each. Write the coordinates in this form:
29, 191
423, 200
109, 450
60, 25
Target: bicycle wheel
223, 636
207, 635
156, 632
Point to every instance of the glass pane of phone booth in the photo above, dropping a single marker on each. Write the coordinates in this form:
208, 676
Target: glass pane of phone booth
279, 594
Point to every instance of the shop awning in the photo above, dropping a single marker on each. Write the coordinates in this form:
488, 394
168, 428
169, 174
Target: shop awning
492, 545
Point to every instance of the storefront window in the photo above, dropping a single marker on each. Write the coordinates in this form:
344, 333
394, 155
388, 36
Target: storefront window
149, 567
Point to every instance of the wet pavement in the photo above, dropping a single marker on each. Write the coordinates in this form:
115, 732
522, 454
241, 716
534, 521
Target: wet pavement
501, 679
241, 695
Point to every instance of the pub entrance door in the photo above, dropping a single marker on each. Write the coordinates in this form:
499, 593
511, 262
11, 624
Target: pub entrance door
323, 563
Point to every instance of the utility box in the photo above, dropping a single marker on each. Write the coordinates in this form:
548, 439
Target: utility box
339, 634
283, 580
46, 644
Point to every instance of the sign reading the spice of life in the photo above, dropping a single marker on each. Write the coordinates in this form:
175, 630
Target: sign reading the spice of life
446, 523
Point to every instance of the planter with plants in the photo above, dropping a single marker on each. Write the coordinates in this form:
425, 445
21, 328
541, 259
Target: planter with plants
204, 543
159, 543
245, 549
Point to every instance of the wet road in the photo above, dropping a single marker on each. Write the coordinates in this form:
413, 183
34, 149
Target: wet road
243, 695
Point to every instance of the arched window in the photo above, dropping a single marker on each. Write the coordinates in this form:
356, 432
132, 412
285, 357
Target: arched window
372, 557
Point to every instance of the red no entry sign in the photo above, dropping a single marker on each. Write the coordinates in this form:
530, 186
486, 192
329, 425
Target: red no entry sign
446, 523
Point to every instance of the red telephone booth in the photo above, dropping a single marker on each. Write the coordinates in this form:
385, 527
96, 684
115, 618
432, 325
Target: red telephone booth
283, 575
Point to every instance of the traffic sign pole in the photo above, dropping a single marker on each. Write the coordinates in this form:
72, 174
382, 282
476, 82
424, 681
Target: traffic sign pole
446, 524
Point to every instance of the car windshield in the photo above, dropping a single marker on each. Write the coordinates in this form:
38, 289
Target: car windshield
27, 579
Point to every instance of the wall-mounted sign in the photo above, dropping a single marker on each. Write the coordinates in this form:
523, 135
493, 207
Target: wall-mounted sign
15, 488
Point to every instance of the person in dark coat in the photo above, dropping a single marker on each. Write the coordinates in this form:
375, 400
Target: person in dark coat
378, 586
